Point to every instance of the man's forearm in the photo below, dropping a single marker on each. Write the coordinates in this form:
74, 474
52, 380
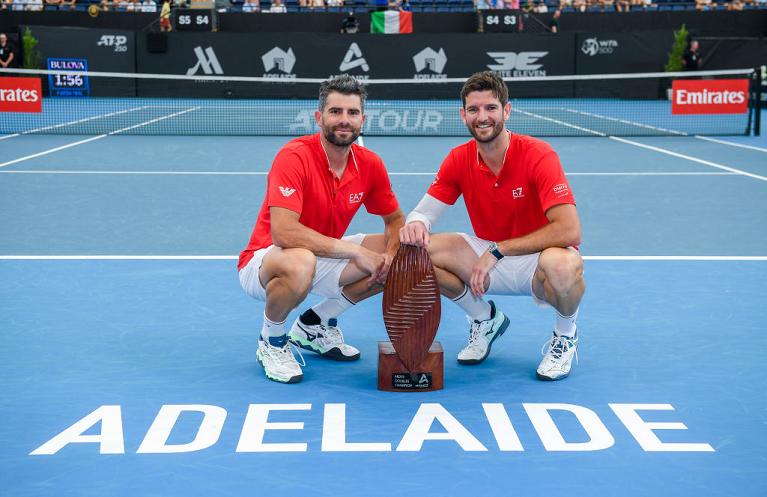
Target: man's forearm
299, 236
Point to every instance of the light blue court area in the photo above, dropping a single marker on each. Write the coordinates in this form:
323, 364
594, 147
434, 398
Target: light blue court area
143, 336
127, 347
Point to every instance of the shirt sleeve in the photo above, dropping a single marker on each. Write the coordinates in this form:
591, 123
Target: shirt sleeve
286, 182
381, 200
446, 186
551, 182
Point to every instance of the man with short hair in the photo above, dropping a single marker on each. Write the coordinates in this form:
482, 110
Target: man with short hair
526, 228
314, 188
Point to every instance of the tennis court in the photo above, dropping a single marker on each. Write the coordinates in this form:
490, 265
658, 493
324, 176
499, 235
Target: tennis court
128, 346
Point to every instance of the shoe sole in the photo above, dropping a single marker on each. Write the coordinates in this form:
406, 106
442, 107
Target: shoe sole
334, 354
292, 379
501, 330
546, 378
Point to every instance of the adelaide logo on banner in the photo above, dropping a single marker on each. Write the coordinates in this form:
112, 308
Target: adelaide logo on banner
716, 96
21, 95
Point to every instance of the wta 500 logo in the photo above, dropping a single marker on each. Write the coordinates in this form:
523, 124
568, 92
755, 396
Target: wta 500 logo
20, 95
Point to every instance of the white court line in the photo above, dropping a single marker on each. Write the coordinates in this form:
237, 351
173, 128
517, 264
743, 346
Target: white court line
557, 121
690, 158
650, 147
623, 121
85, 119
264, 173
732, 144
93, 138
760, 258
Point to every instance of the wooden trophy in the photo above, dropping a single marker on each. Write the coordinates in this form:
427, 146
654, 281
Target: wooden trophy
411, 361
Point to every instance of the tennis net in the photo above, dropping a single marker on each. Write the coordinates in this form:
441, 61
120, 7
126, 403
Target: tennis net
85, 103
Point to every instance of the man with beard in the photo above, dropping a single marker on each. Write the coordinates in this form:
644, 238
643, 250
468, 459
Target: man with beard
315, 186
526, 228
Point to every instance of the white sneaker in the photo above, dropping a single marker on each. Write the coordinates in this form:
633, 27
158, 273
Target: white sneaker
328, 341
482, 335
278, 361
558, 358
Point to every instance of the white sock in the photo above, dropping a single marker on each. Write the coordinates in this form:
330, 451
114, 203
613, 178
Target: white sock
272, 329
332, 307
476, 308
565, 325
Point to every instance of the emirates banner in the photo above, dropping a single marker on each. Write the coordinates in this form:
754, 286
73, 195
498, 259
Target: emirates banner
720, 96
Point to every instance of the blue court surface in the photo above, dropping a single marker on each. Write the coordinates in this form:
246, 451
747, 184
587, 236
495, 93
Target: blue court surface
127, 351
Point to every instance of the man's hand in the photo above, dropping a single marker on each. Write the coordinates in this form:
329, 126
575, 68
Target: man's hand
479, 272
372, 263
414, 233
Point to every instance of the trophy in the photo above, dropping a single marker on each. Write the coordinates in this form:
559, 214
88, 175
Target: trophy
411, 361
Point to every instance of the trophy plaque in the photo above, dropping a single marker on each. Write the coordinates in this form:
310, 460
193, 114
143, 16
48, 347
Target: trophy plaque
411, 361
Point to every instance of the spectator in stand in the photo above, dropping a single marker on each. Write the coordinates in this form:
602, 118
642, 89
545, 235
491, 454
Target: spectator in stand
165, 26
579, 5
692, 58
554, 22
4, 4
34, 5
335, 3
540, 7
607, 5
148, 6
511, 4
702, 5
7, 56
251, 6
316, 4
277, 7
350, 25
735, 5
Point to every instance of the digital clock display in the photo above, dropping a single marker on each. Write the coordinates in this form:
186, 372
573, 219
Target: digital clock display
68, 85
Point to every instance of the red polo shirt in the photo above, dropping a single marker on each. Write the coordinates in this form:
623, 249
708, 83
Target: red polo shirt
514, 203
301, 180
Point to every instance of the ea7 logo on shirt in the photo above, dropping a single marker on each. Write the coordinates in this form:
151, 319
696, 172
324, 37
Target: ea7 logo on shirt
287, 192
517, 193
355, 198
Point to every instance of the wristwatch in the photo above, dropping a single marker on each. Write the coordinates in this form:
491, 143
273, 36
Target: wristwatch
493, 249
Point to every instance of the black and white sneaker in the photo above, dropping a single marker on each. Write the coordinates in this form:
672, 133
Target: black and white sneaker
326, 340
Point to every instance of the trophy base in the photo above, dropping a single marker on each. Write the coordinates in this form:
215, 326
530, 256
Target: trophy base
427, 377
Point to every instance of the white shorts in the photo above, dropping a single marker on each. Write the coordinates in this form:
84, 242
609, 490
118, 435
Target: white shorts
512, 275
326, 276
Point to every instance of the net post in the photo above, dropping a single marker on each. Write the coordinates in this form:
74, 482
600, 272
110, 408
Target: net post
758, 100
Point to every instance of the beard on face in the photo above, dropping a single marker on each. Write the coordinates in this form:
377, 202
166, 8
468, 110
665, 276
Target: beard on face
497, 128
330, 136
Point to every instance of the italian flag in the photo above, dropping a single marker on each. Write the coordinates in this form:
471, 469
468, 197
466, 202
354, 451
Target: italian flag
391, 22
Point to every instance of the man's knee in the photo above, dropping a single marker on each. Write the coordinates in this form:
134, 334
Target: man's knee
444, 249
296, 267
562, 268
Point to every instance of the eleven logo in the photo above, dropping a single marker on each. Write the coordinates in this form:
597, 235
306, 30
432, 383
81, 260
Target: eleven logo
513, 64
287, 192
279, 60
207, 61
430, 60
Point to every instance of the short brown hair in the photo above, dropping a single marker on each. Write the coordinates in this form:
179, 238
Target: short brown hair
345, 85
483, 81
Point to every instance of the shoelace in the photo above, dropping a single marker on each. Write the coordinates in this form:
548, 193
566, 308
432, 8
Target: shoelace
558, 346
333, 334
283, 355
476, 329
